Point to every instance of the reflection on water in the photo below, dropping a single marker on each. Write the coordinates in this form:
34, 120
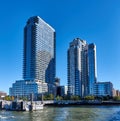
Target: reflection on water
81, 113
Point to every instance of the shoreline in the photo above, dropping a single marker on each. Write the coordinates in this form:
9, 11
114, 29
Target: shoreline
109, 103
39, 105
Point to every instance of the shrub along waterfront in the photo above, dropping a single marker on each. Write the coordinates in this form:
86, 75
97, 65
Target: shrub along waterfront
51, 97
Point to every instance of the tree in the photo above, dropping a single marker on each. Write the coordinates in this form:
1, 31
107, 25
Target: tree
106, 97
75, 97
12, 98
48, 97
66, 97
9, 98
25, 99
59, 98
116, 98
89, 97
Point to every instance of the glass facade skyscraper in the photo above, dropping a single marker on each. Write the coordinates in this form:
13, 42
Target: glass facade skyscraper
39, 51
39, 59
92, 70
81, 68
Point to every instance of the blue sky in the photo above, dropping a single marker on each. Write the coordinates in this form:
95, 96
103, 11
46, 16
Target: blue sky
96, 21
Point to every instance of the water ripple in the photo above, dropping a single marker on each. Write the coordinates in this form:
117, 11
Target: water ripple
81, 113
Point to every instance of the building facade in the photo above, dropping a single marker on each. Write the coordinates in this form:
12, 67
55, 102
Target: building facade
114, 92
81, 64
39, 51
103, 89
117, 93
61, 91
2, 94
92, 68
39, 59
23, 88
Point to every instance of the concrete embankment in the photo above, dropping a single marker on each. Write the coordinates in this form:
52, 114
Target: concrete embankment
82, 102
21, 105
37, 105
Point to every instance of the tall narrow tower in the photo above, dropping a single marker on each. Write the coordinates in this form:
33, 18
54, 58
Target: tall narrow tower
77, 67
39, 61
92, 68
81, 68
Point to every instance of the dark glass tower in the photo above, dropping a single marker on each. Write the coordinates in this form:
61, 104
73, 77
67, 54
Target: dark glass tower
92, 68
39, 51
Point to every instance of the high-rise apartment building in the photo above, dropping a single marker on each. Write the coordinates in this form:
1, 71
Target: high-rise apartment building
39, 60
39, 51
92, 68
81, 68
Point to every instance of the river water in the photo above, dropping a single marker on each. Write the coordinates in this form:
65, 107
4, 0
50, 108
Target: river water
78, 113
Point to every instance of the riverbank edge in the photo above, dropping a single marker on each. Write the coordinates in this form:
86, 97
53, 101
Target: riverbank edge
82, 104
20, 105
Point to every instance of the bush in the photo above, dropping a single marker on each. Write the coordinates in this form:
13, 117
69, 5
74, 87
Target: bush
59, 98
116, 98
9, 98
48, 97
89, 97
75, 98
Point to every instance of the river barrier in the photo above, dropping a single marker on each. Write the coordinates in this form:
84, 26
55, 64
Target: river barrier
20, 105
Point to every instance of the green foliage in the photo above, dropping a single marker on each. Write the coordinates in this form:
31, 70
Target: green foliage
89, 97
74, 97
106, 97
48, 97
9, 98
66, 97
116, 98
24, 99
59, 98
98, 98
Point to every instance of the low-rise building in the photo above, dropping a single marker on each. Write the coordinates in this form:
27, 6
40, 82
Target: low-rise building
2, 94
117, 93
103, 89
23, 88
114, 92
62, 90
